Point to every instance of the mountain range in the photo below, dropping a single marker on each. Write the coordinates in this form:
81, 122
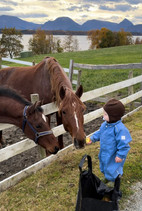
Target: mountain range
67, 24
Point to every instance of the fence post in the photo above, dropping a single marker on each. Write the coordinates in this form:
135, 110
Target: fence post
130, 90
34, 98
33, 63
71, 70
78, 79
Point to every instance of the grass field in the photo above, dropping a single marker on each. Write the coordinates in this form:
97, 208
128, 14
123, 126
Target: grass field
54, 188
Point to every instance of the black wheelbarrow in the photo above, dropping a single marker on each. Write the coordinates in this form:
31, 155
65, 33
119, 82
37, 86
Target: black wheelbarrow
93, 194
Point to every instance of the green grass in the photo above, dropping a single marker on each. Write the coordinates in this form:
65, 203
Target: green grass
54, 188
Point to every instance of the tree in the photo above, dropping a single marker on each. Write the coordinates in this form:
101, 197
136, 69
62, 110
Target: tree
70, 43
75, 44
125, 38
42, 43
39, 44
138, 41
93, 36
106, 38
11, 42
96, 37
59, 48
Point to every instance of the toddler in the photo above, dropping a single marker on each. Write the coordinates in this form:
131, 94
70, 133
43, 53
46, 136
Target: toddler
114, 140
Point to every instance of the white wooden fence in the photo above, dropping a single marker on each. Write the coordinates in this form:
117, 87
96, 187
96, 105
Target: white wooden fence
26, 144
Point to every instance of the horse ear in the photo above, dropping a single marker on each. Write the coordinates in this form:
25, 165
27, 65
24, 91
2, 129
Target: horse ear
31, 109
38, 103
79, 91
62, 92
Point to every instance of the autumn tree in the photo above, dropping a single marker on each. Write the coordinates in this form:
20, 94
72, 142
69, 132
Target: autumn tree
106, 38
10, 43
40, 43
125, 38
96, 36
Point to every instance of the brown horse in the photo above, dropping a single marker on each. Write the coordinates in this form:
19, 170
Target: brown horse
49, 80
14, 109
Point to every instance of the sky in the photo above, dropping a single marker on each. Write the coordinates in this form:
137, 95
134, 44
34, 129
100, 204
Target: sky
41, 11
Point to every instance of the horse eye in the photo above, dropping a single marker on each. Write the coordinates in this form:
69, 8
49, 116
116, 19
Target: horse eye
83, 110
38, 126
63, 112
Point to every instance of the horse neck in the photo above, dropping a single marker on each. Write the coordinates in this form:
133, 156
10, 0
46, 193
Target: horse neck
11, 112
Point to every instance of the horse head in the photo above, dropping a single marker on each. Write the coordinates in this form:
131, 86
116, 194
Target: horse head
36, 127
71, 111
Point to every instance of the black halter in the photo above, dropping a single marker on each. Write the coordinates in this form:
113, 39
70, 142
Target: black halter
37, 134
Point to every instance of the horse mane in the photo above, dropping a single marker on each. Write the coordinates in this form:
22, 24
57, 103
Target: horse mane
58, 78
11, 93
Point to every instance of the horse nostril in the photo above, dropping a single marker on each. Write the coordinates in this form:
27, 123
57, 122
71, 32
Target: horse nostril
56, 149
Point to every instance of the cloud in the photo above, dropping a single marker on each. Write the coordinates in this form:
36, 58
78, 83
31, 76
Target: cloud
7, 2
73, 8
119, 7
79, 8
6, 9
33, 15
48, 0
134, 1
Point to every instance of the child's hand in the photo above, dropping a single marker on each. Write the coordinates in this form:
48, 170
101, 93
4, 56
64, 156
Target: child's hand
118, 160
88, 140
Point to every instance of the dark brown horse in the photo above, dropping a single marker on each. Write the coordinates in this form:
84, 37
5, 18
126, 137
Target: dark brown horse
14, 109
49, 80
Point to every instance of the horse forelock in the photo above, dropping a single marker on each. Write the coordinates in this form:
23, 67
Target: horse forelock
71, 100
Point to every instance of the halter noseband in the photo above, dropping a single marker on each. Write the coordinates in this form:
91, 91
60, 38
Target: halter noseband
37, 134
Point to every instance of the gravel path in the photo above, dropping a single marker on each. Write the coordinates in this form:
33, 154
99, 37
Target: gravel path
134, 203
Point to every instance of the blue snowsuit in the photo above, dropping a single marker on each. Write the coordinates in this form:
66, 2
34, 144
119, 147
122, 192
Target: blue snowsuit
114, 139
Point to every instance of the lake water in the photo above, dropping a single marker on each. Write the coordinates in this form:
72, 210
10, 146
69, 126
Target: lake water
83, 42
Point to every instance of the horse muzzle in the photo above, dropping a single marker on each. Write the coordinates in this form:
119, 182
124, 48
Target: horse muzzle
79, 144
56, 149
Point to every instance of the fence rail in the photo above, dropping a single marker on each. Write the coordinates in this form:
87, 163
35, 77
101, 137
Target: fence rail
108, 67
28, 144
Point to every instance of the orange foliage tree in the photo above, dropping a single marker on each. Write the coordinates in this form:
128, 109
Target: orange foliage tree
106, 38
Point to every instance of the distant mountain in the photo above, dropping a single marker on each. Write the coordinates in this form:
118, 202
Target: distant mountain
63, 23
12, 21
125, 24
97, 24
67, 24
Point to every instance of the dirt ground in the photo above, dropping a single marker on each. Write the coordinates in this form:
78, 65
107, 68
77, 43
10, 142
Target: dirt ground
25, 159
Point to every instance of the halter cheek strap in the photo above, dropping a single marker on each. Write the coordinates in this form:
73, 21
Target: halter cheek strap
37, 134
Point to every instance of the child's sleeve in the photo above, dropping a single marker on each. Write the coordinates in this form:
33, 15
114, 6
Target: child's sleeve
96, 136
123, 138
